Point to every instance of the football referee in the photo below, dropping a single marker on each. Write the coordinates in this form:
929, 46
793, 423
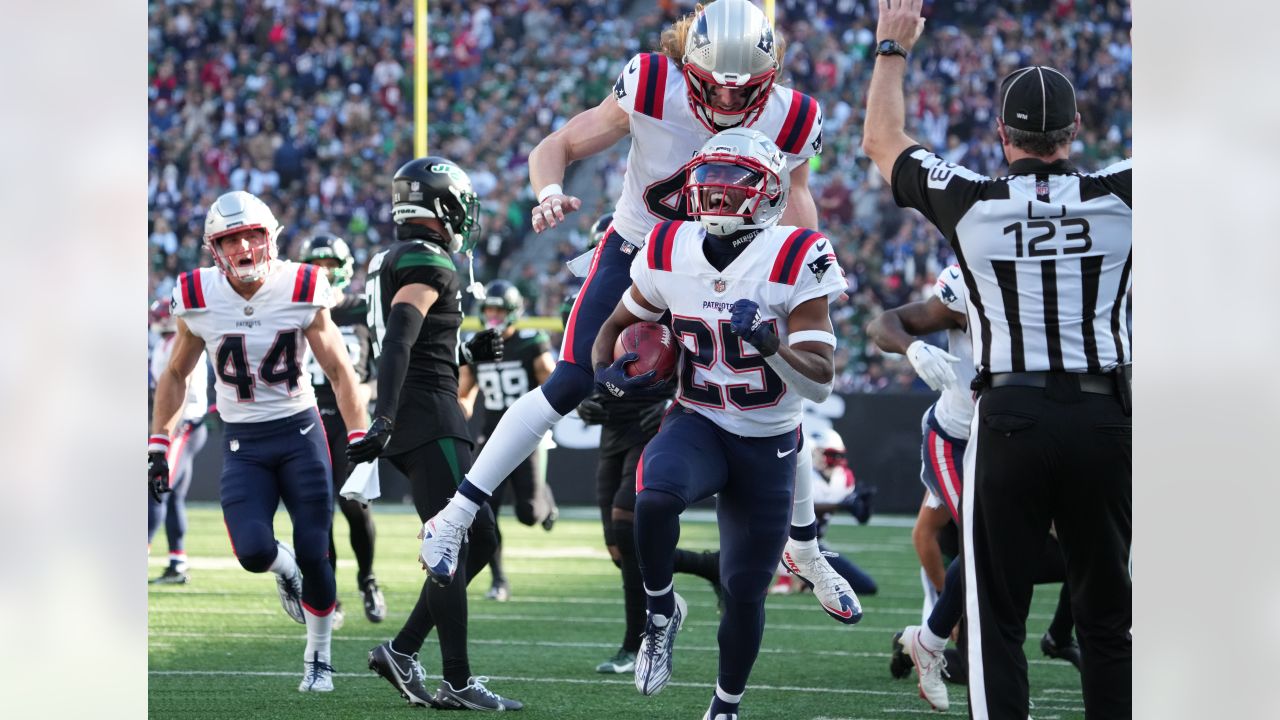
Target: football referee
1046, 258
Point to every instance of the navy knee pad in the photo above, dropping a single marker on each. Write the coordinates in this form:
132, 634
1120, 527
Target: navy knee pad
657, 501
746, 586
568, 385
258, 561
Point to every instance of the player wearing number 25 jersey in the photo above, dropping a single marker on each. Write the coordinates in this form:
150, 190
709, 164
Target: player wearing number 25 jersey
749, 306
252, 313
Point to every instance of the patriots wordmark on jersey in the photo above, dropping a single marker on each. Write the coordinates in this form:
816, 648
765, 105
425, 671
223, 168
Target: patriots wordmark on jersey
665, 135
722, 376
257, 344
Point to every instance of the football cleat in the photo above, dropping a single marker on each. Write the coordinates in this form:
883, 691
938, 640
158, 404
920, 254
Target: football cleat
1069, 651
899, 661
291, 589
441, 541
173, 575
549, 521
474, 696
832, 591
499, 591
719, 716
620, 663
404, 673
929, 665
375, 606
654, 661
317, 675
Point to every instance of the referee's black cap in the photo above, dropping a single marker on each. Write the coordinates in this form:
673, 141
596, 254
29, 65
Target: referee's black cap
1037, 99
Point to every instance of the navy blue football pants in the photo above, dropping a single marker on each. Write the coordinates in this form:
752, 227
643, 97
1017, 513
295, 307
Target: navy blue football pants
263, 464
690, 459
610, 275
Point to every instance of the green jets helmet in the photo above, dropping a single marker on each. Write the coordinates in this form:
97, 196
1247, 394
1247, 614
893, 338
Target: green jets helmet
504, 296
435, 187
323, 246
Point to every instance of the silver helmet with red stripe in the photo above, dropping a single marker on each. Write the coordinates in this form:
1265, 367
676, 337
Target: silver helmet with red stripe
242, 217
729, 65
738, 180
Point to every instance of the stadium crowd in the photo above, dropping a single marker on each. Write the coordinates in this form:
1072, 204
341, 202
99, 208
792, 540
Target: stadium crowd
307, 105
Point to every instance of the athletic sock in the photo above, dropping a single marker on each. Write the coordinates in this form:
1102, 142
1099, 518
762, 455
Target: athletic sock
723, 703
284, 565
930, 641
662, 604
515, 438
319, 633
802, 513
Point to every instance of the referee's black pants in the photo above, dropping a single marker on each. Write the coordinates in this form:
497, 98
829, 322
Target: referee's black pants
1035, 456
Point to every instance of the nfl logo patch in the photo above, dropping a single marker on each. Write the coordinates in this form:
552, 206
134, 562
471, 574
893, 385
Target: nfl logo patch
628, 249
248, 309
719, 286
1042, 190
415, 186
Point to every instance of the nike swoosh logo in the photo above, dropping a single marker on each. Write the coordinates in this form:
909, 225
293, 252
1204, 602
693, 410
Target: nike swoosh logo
632, 68
784, 454
822, 246
307, 429
842, 612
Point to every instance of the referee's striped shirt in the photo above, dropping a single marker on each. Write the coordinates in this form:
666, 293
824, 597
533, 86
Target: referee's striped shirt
1046, 253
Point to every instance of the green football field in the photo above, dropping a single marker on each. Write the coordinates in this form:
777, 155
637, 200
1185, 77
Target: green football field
221, 647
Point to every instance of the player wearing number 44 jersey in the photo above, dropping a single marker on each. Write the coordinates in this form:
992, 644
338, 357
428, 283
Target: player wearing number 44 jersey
749, 304
716, 71
253, 313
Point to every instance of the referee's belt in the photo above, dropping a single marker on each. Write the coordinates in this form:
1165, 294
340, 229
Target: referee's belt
1093, 384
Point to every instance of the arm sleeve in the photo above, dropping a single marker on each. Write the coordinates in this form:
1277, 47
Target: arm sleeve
403, 327
943, 192
821, 275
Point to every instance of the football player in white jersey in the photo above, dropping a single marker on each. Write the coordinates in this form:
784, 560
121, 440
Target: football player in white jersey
171, 511
749, 305
945, 430
716, 71
253, 313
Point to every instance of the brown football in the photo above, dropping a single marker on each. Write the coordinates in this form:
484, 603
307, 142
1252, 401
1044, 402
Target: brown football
655, 345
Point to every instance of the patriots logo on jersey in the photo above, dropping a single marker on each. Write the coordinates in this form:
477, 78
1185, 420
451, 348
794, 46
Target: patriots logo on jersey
820, 266
620, 88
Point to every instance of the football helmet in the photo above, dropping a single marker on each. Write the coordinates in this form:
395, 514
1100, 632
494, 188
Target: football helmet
599, 228
504, 296
729, 44
434, 187
566, 307
323, 246
738, 180
161, 318
235, 212
828, 450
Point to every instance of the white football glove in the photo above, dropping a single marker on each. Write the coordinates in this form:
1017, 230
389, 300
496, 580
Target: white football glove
932, 364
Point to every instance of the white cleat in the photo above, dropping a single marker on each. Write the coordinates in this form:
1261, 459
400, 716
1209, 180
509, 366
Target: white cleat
290, 589
831, 590
317, 675
653, 662
929, 665
441, 542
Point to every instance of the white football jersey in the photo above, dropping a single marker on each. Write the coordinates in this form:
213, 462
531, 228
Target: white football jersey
665, 136
722, 376
195, 406
954, 409
257, 344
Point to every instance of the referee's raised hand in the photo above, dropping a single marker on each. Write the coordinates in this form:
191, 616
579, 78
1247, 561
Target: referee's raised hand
552, 208
900, 20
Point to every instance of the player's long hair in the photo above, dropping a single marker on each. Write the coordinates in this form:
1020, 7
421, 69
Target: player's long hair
673, 37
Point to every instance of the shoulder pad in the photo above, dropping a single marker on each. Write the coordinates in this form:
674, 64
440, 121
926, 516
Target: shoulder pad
792, 252
802, 128
642, 85
188, 294
661, 241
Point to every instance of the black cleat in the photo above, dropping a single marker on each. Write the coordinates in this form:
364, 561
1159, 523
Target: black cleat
404, 673
1069, 651
899, 661
474, 696
172, 575
549, 521
375, 606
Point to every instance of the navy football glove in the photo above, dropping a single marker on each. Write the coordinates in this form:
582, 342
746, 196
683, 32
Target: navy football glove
593, 412
369, 447
745, 322
614, 380
485, 346
858, 504
158, 475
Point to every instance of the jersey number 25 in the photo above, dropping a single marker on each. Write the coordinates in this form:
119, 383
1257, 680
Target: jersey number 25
710, 347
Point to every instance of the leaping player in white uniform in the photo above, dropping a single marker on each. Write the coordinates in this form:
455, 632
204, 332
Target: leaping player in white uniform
716, 71
253, 313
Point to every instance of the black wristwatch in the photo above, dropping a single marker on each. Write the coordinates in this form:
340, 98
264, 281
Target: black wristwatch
891, 47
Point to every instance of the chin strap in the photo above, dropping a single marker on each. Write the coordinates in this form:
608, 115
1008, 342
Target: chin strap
473, 287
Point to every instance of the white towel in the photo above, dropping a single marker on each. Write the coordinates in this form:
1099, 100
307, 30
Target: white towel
362, 486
